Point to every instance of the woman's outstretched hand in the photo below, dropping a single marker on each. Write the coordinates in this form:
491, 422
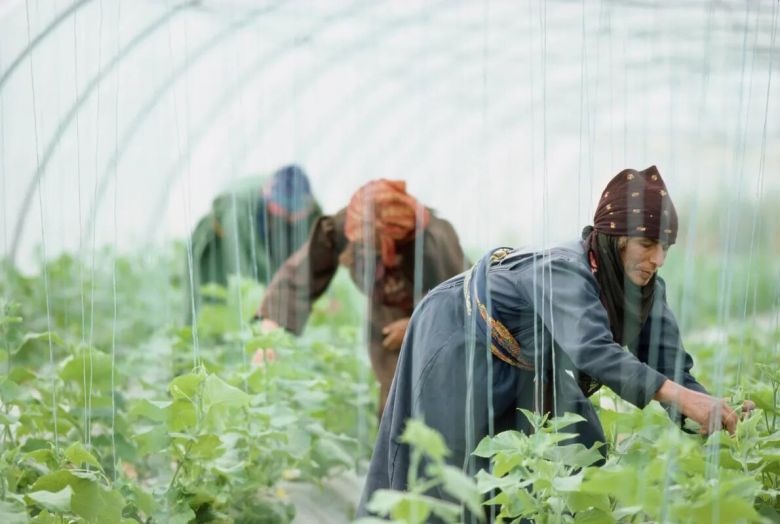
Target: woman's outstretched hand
711, 413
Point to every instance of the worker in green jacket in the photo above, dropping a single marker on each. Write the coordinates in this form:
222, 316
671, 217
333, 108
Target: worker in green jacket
252, 228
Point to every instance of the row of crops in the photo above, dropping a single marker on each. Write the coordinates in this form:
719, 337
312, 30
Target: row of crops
112, 411
124, 416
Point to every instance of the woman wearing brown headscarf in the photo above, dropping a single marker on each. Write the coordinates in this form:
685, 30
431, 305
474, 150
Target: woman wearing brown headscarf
543, 330
396, 250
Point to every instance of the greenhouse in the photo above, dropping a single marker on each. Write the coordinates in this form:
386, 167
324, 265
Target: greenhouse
334, 261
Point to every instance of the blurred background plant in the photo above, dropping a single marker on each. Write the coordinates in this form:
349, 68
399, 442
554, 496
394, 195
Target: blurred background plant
160, 421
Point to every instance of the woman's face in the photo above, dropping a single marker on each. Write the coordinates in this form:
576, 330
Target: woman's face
641, 258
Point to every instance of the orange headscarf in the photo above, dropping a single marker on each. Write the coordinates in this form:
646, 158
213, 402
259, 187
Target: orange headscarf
393, 212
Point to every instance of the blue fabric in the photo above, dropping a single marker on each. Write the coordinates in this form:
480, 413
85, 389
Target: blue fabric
289, 188
503, 343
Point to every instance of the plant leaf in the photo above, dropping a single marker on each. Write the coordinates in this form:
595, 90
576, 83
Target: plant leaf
77, 455
56, 501
428, 440
218, 393
505, 441
96, 503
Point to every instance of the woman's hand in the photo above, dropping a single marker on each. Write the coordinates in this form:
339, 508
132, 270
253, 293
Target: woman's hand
268, 325
712, 414
747, 407
394, 334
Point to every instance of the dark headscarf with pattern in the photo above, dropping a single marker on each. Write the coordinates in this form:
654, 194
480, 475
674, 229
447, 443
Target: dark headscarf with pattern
634, 204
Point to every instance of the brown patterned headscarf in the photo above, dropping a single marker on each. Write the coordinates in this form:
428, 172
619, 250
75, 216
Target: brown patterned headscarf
390, 214
634, 204
637, 204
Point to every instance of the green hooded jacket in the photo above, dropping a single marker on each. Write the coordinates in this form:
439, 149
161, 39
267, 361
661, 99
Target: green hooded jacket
229, 240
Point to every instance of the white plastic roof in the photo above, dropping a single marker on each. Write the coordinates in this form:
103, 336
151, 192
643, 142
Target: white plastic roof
507, 117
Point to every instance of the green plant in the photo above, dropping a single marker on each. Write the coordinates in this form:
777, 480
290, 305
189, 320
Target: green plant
414, 505
88, 413
538, 475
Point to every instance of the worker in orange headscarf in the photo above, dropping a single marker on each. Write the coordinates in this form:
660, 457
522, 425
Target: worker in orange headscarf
396, 250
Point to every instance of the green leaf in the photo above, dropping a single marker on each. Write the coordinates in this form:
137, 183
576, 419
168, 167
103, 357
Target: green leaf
42, 456
206, 447
77, 456
257, 380
54, 481
428, 440
96, 503
11, 513
515, 503
504, 462
768, 512
510, 441
558, 423
44, 517
568, 484
90, 363
84, 475
186, 437
9, 391
9, 419
29, 338
218, 393
578, 501
719, 509
144, 501
764, 397
411, 510
181, 415
180, 514
143, 408
411, 507
280, 416
574, 454
383, 501
152, 441
57, 501
214, 291
214, 320
21, 375
6, 320
185, 386
594, 516
536, 420
487, 482
462, 488
618, 481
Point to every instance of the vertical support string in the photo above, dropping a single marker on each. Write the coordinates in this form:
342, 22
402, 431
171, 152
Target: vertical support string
43, 241
116, 252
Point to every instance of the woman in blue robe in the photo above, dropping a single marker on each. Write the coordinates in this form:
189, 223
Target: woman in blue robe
542, 330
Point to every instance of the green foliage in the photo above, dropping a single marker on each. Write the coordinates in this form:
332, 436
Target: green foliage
136, 418
111, 410
416, 505
654, 472
535, 475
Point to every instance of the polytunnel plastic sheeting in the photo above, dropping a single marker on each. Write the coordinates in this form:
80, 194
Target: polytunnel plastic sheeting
505, 117
121, 121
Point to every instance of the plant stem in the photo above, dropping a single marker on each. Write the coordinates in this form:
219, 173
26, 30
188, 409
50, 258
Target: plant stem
179, 466
414, 465
425, 486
